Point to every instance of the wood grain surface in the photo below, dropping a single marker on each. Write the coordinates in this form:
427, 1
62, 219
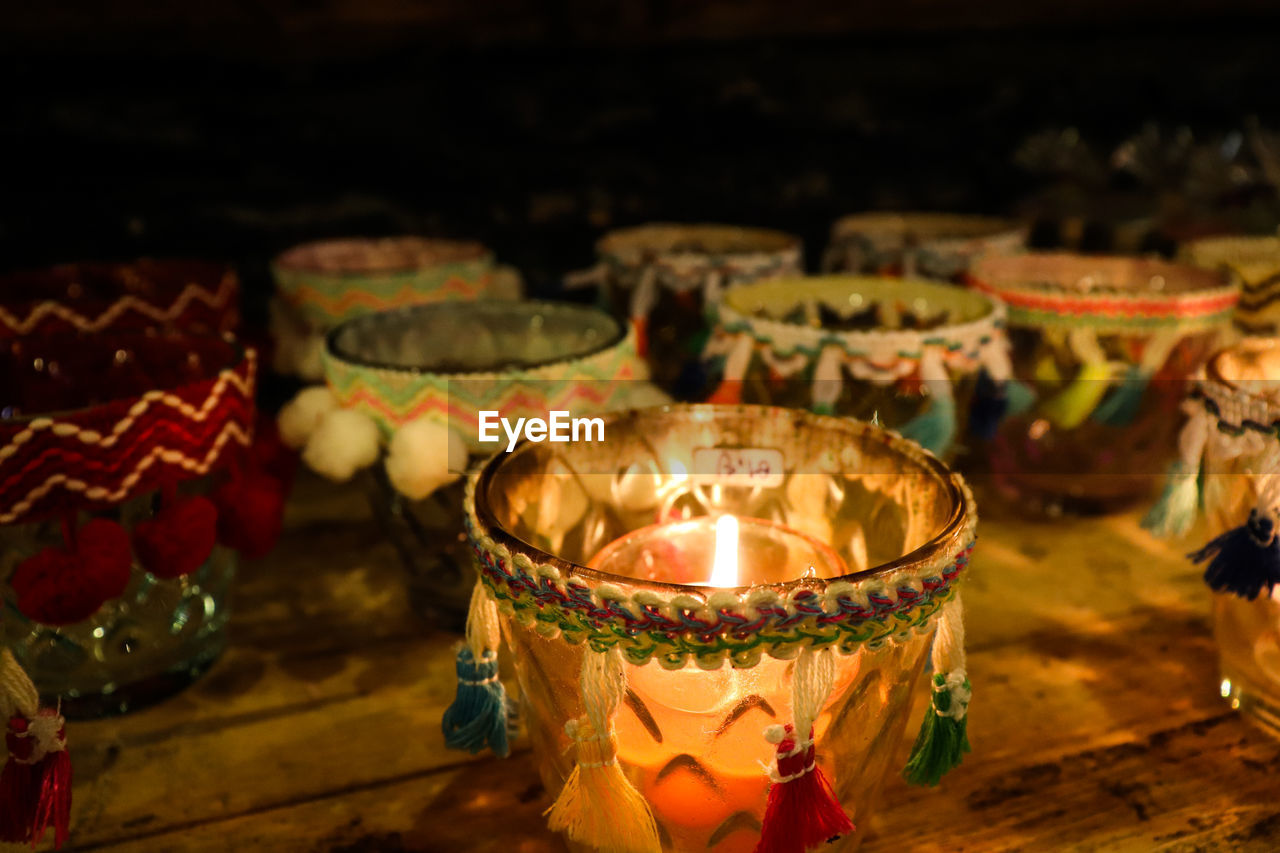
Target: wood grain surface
1096, 723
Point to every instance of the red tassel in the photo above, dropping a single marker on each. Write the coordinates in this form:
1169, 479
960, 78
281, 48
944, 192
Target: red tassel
250, 512
180, 537
728, 393
35, 785
803, 812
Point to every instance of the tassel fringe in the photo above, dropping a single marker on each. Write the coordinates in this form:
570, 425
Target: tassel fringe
1175, 510
35, 784
1244, 559
598, 806
943, 740
935, 428
802, 810
481, 714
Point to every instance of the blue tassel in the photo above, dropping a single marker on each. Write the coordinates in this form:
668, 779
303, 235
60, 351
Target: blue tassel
1021, 397
1244, 559
1123, 402
994, 401
1175, 509
935, 428
481, 715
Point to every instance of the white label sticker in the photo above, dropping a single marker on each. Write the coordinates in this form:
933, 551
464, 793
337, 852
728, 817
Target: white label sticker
738, 466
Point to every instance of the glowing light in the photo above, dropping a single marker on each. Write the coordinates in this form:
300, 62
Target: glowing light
724, 572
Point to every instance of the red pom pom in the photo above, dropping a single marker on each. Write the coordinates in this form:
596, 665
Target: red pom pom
250, 511
179, 539
61, 587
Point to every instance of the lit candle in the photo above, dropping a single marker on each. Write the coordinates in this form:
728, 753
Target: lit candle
691, 739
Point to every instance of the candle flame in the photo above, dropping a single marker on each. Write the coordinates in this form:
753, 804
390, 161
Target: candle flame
724, 572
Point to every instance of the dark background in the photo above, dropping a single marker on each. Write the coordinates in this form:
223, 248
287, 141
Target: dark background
233, 129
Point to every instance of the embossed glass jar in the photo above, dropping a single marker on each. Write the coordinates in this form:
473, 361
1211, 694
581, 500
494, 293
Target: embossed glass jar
112, 604
1238, 403
1106, 345
857, 499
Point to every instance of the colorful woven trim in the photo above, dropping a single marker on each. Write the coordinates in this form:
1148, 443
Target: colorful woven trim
934, 245
335, 280
393, 397
189, 296
733, 255
876, 354
105, 454
1041, 291
726, 625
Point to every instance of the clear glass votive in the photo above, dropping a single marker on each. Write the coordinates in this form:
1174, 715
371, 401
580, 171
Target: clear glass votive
1240, 399
905, 352
633, 524
447, 363
1106, 346
924, 245
660, 276
111, 451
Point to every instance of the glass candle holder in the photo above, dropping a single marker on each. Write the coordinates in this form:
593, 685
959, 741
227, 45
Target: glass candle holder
1105, 346
905, 352
1230, 442
191, 296
927, 245
120, 492
322, 284
419, 377
845, 545
661, 275
1254, 263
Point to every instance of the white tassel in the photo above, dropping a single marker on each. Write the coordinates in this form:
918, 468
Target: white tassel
828, 381
344, 442
591, 277
425, 455
1175, 509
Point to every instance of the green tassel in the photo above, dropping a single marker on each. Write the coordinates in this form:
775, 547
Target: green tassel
481, 715
944, 739
1071, 406
823, 408
1175, 510
935, 428
1021, 397
1121, 405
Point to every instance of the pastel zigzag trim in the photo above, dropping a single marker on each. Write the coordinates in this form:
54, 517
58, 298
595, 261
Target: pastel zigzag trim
190, 295
363, 299
738, 626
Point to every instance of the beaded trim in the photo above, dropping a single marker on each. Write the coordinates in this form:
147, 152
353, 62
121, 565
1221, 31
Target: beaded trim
1236, 412
965, 346
710, 628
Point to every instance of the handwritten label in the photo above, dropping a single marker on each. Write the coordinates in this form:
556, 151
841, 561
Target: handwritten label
738, 466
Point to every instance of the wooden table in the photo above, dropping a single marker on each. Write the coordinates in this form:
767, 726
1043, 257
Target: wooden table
1096, 723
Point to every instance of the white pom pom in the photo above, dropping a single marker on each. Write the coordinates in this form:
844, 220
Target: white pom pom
301, 415
425, 455
775, 734
343, 443
310, 355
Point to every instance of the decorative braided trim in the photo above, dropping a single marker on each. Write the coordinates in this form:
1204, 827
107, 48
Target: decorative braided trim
209, 306
730, 254
966, 344
108, 453
712, 626
597, 381
1105, 293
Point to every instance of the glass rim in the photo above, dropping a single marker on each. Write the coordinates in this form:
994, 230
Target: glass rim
303, 257
962, 505
1065, 275
619, 331
929, 226
639, 243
